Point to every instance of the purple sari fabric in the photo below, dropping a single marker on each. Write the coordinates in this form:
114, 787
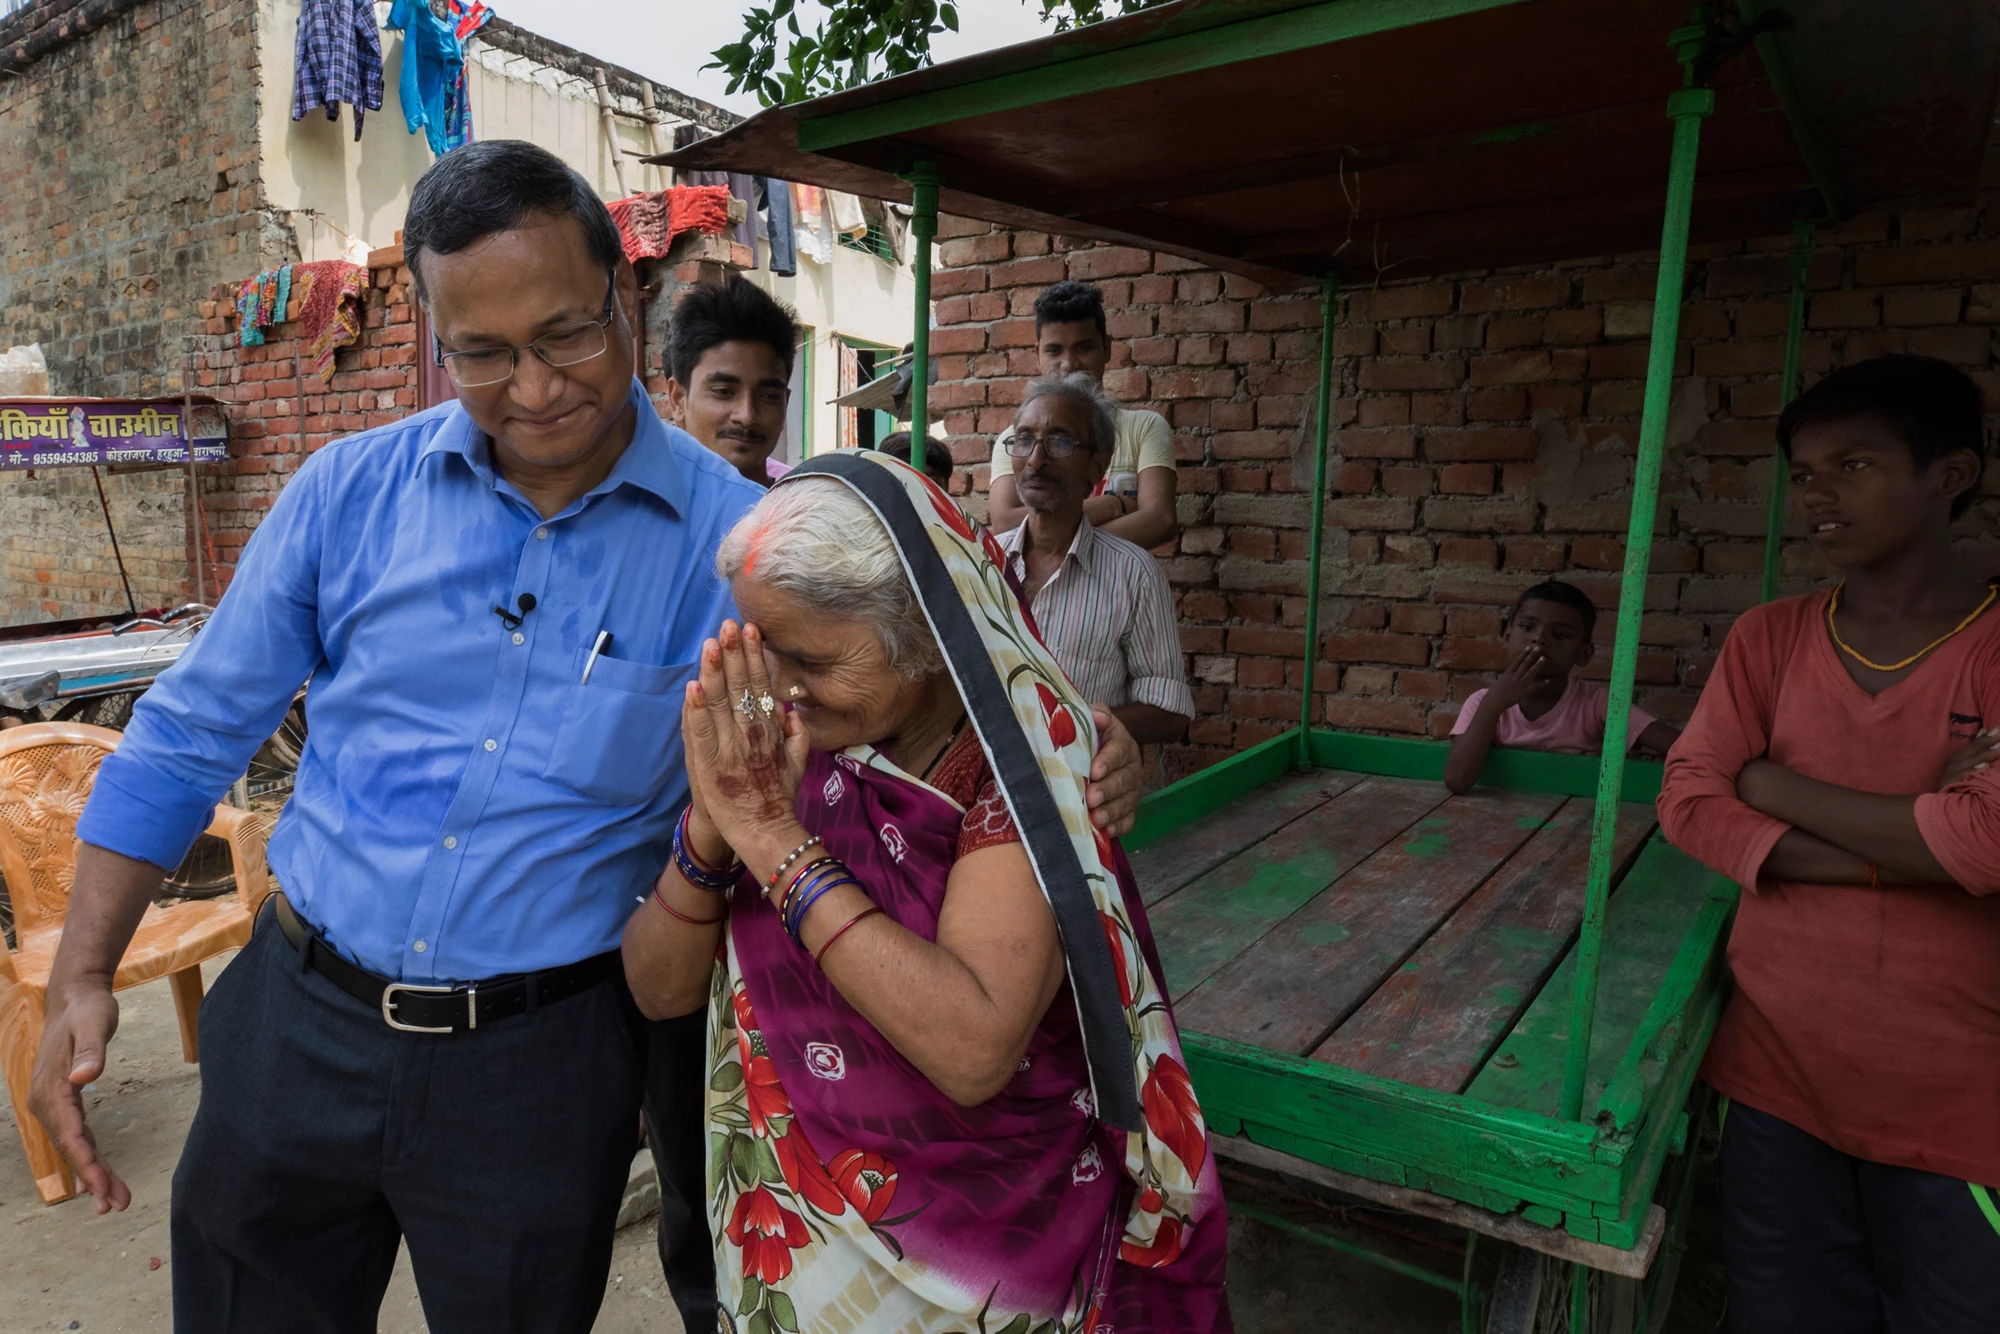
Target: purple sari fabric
1020, 1200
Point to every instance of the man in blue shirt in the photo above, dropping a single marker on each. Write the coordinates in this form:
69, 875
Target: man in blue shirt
497, 603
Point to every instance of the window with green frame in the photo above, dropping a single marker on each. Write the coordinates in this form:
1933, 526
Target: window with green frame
874, 242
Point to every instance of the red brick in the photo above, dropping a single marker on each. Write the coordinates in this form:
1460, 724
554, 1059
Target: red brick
1513, 331
1409, 341
1521, 292
1249, 444
1442, 372
1468, 551
990, 248
1109, 262
1377, 444
1271, 316
1496, 405
1416, 618
1537, 553
1472, 622
1949, 262
1597, 553
1380, 715
1402, 302
1406, 481
1479, 516
1211, 317
1844, 310
1933, 306
1273, 643
1198, 287
1408, 650
1511, 367
1437, 409
1354, 478
1480, 444
1261, 673
1385, 410
1367, 681
1474, 655
1475, 479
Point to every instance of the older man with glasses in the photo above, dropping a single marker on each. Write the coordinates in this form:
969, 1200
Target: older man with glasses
1102, 605
498, 603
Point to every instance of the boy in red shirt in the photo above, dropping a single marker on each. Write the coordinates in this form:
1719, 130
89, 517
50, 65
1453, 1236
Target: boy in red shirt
1538, 704
1839, 768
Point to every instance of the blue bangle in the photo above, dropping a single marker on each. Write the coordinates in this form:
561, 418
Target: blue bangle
815, 879
715, 882
819, 891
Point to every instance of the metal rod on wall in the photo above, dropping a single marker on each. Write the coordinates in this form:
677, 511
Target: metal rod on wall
923, 181
1788, 389
131, 602
1686, 107
200, 590
1329, 293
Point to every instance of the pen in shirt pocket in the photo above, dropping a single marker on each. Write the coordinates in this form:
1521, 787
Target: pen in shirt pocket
603, 638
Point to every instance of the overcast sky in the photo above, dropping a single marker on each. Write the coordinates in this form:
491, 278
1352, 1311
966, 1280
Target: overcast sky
669, 41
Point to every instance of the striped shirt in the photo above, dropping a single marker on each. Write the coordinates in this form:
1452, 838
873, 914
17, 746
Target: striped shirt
1108, 617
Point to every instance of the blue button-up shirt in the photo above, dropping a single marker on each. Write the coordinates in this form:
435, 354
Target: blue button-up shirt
467, 805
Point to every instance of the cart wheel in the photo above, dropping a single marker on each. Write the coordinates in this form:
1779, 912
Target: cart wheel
1531, 1295
276, 764
207, 872
112, 711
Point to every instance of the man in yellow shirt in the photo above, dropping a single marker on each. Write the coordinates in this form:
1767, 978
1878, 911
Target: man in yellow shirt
1136, 499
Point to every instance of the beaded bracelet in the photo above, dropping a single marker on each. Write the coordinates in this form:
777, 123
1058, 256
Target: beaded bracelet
870, 911
715, 881
691, 921
772, 884
815, 877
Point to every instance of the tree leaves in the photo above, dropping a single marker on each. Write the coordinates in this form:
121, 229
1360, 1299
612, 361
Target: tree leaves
859, 41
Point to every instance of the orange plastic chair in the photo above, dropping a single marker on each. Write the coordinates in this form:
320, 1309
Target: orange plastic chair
46, 772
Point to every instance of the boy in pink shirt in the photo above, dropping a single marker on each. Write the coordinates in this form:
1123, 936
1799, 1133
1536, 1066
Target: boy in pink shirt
1538, 703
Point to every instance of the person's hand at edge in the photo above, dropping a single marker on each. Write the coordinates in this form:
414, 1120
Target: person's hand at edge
80, 1022
1116, 783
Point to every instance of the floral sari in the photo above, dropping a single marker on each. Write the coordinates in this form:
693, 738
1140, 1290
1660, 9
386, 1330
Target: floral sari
847, 1192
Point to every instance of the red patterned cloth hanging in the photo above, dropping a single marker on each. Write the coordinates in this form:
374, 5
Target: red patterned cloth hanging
649, 222
329, 292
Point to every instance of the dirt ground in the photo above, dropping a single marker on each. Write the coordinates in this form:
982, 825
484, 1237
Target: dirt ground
63, 1268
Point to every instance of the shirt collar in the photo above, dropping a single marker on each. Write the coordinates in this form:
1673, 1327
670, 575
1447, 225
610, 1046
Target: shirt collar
647, 463
1082, 547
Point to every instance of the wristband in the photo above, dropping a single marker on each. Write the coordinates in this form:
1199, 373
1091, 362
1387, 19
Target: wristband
870, 911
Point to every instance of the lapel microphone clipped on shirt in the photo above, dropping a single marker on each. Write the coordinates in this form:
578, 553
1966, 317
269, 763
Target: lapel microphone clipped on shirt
510, 619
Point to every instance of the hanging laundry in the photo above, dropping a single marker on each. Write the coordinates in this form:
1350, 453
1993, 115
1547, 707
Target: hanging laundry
338, 59
261, 302
466, 20
330, 292
779, 223
432, 57
685, 135
898, 229
648, 223
848, 219
810, 228
743, 186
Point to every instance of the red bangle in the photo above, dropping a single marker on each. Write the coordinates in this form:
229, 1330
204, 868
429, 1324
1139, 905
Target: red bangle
797, 876
869, 911
691, 921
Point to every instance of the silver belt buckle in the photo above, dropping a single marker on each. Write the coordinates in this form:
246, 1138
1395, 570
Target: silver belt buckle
389, 1005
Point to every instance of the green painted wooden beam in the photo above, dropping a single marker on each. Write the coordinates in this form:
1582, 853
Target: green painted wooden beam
1214, 787
923, 179
1512, 770
1269, 35
1687, 108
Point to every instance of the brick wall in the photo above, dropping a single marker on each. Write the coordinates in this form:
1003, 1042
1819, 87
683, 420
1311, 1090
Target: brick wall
1484, 431
127, 186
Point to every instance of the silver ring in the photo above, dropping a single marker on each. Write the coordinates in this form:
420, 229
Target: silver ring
746, 704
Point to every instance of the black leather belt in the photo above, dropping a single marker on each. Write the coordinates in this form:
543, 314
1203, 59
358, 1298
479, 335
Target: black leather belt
411, 1008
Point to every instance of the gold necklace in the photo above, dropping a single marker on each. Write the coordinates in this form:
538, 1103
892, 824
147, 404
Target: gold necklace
1833, 606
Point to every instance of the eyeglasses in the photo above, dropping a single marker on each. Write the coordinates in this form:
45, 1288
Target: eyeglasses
1056, 444
477, 367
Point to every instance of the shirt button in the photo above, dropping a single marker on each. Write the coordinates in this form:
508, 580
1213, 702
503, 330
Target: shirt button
420, 947
541, 534
520, 638
491, 744
450, 841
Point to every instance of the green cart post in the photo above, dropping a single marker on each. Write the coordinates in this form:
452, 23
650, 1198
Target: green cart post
1485, 1012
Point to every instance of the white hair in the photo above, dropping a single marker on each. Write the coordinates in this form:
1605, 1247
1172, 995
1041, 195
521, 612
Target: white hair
1080, 388
819, 542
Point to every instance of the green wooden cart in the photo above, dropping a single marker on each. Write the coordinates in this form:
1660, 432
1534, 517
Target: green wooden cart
1484, 1010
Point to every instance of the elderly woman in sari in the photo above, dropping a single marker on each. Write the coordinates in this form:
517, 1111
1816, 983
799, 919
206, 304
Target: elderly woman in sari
946, 1092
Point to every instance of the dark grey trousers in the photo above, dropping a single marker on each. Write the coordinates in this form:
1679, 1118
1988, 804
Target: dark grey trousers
324, 1137
676, 1111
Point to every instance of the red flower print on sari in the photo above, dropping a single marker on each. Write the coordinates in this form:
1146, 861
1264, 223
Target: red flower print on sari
1062, 727
1104, 853
805, 1174
746, 1018
954, 518
1115, 939
764, 1094
1173, 1115
767, 1233
1164, 1250
868, 1180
